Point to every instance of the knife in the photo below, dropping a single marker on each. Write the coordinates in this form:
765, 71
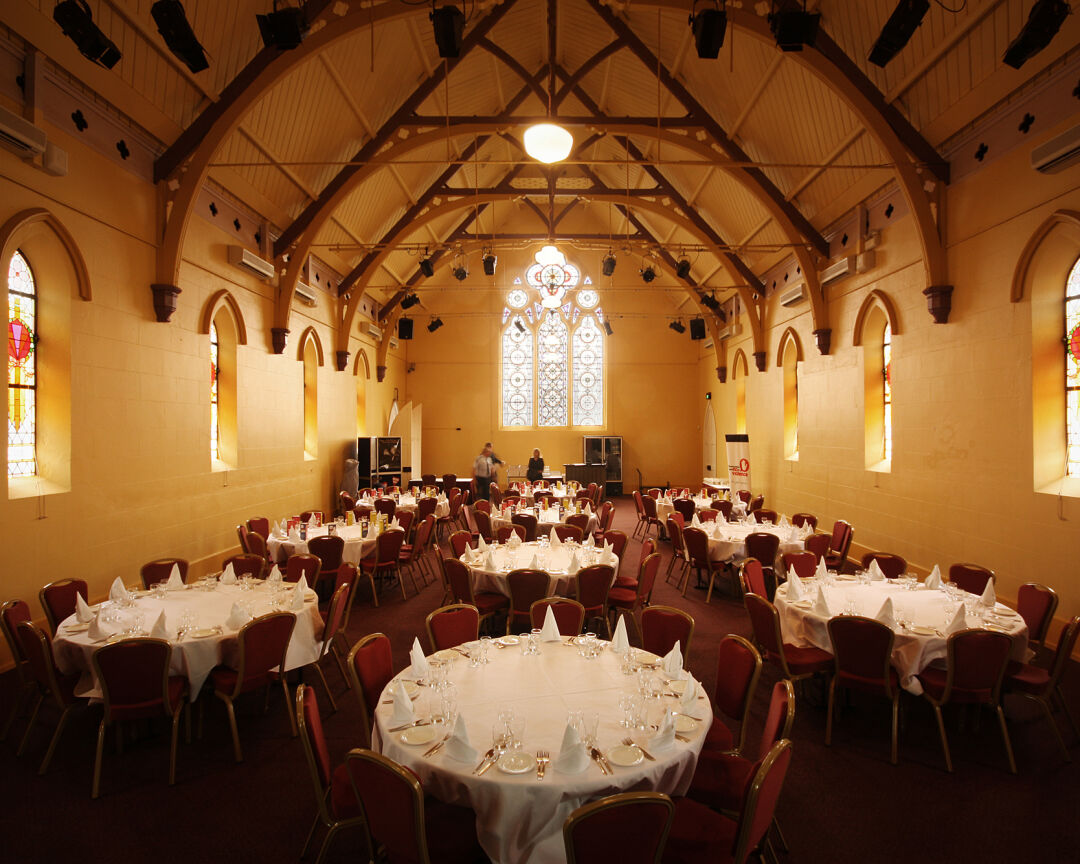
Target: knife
489, 763
484, 761
409, 725
463, 652
598, 758
433, 750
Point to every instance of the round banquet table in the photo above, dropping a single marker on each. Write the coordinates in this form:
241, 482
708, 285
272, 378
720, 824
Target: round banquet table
194, 657
407, 502
727, 540
545, 520
916, 645
357, 545
518, 818
556, 494
665, 507
554, 561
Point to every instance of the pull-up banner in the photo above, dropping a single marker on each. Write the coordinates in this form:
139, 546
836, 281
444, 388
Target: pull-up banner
738, 457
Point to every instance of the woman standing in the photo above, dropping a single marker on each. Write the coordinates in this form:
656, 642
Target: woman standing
536, 467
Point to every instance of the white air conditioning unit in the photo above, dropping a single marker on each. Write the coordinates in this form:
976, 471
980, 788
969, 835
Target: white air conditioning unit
731, 330
20, 136
393, 342
247, 260
794, 295
374, 331
839, 270
306, 294
708, 343
1058, 153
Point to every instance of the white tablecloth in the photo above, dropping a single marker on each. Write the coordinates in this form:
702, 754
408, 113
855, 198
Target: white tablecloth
912, 652
195, 657
357, 546
545, 519
408, 502
727, 540
665, 508
519, 819
555, 562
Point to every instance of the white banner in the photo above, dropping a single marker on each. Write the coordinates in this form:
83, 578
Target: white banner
738, 457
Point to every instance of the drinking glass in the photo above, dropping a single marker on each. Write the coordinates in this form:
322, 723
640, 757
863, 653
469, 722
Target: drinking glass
485, 644
626, 704
517, 732
534, 641
590, 725
576, 720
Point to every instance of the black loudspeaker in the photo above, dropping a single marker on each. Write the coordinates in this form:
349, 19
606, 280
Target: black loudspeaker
449, 26
404, 328
709, 26
697, 328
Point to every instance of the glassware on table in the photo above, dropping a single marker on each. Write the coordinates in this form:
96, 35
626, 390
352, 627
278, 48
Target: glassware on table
628, 699
590, 726
157, 590
534, 641
849, 607
188, 622
485, 645
136, 625
517, 727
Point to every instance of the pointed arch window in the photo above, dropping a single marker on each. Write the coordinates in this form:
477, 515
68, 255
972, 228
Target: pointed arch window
886, 394
22, 369
215, 427
1072, 372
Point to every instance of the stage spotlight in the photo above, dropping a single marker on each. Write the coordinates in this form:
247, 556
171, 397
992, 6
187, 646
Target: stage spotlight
682, 269
489, 264
449, 25
461, 274
435, 324
608, 266
174, 28
697, 329
709, 26
709, 301
409, 300
794, 28
283, 29
607, 328
76, 20
427, 266
1042, 25
648, 273
677, 326
898, 30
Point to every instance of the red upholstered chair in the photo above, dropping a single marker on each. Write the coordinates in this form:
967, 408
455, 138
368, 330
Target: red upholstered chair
410, 827
756, 503
579, 521
302, 564
414, 554
428, 480
975, 667
648, 546
482, 506
385, 560
763, 546
893, 566
525, 586
593, 584
839, 544
700, 834
686, 507
261, 526
371, 667
386, 506
764, 515
53, 686
263, 644
604, 517
305, 516
426, 507
346, 502
242, 536
803, 563
723, 507
738, 667
494, 494
1041, 685
678, 551
971, 577
663, 626
654, 493
505, 531
651, 517
818, 544
452, 520
483, 523
12, 614
329, 551
540, 494
452, 625
460, 541
631, 600
801, 519
697, 550
333, 630
488, 603
794, 662
338, 808
569, 614
639, 507
58, 600
743, 495
863, 648
256, 545
565, 531
243, 565
1036, 604
752, 578
449, 481
135, 684
630, 828
618, 541
526, 521
405, 520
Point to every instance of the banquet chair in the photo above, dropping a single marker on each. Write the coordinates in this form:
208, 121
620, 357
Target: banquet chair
136, 684
629, 827
426, 507
245, 564
794, 662
337, 806
1042, 685
449, 481
346, 502
723, 507
364, 492
632, 600
405, 520
605, 515
329, 551
302, 564
333, 629
756, 503
385, 559
525, 585
52, 685
565, 531
459, 579
974, 670
452, 520
1036, 604
639, 507
893, 566
707, 515
817, 545
651, 517
460, 541
803, 563
483, 506
648, 546
738, 668
370, 669
752, 578
743, 495
428, 479
686, 507
449, 626
678, 552
839, 544
763, 545
12, 614
593, 584
160, 569
764, 515
414, 554
618, 541
256, 545
242, 536
409, 826
263, 643
305, 517
971, 577
697, 551
801, 519
698, 833
494, 495
663, 626
526, 521
579, 521
862, 648
386, 507
58, 600
261, 526
569, 614
654, 493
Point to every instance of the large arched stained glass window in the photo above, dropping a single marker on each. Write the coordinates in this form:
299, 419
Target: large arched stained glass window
588, 374
1072, 372
517, 352
886, 388
215, 429
22, 369
551, 400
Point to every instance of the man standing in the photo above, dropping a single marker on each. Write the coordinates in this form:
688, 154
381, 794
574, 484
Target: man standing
483, 468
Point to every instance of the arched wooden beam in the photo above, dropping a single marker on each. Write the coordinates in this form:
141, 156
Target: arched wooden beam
310, 334
789, 335
739, 366
574, 79
14, 231
875, 299
224, 298
531, 81
1023, 265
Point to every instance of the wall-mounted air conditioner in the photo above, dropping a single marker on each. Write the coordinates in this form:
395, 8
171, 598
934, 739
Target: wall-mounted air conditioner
306, 294
393, 342
1058, 153
247, 260
794, 295
843, 267
20, 136
374, 331
731, 330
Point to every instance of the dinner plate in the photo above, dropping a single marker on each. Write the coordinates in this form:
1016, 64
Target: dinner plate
446, 654
684, 723
1006, 612
644, 657
997, 628
920, 630
516, 762
417, 735
77, 627
625, 755
203, 632
411, 687
678, 686
508, 640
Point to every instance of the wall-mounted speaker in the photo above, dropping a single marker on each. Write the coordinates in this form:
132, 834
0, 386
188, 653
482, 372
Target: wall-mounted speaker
404, 328
697, 328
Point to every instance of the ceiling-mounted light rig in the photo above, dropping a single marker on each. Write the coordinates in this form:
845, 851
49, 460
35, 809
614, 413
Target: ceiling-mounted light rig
427, 266
490, 260
448, 23
708, 26
682, 268
648, 273
607, 267
283, 29
77, 22
409, 300
677, 326
434, 324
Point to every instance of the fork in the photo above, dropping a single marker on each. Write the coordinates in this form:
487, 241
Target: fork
629, 742
542, 760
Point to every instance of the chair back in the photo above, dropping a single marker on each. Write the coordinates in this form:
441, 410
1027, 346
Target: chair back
763, 546
426, 507
893, 566
428, 479
386, 506
607, 514
12, 614
449, 481
483, 505
1036, 604
631, 828
423, 535
593, 584
723, 507
817, 545
686, 507
663, 626
654, 493
752, 577
1063, 652
803, 563
649, 505
675, 533
459, 542
801, 519
569, 614
306, 515
759, 803
765, 623
256, 544
159, 570
780, 717
388, 548
134, 677
245, 565
579, 521
316, 753
526, 521
743, 495
647, 573
971, 577
504, 532
639, 503
405, 520
976, 661
738, 667
566, 531
618, 541
862, 649
393, 803
459, 580
648, 547
756, 503
707, 515
335, 614
697, 547
264, 642
261, 526
302, 564
58, 600
763, 515
542, 492
328, 550
495, 494
371, 666
37, 649
840, 540
346, 501
452, 625
525, 587
242, 536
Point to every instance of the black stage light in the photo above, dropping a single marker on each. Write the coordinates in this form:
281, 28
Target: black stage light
409, 300
608, 266
404, 328
174, 28
607, 328
794, 28
77, 22
682, 269
435, 324
283, 28
697, 328
710, 302
898, 30
489, 264
461, 274
427, 266
677, 326
1042, 25
449, 24
709, 26
648, 274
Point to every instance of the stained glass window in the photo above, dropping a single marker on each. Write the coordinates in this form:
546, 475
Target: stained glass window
588, 374
886, 378
215, 433
551, 403
517, 374
1072, 372
22, 369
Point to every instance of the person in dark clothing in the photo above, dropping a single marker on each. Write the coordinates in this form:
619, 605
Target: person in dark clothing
536, 467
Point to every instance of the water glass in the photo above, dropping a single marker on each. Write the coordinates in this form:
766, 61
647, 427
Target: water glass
517, 732
534, 641
476, 657
590, 725
485, 645
627, 700
158, 590
188, 622
136, 625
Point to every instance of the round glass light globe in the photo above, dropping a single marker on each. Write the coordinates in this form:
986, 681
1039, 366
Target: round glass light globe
548, 143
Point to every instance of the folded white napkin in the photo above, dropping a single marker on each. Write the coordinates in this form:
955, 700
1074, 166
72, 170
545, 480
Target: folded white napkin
238, 617
608, 556
229, 576
119, 591
664, 739
821, 572
274, 576
457, 745
795, 590
83, 613
481, 544
959, 621
694, 521
535, 563
489, 560
473, 556
420, 666
673, 661
688, 700
99, 630
574, 565
885, 614
312, 524
403, 709
619, 643
299, 591
588, 509
989, 597
784, 521
876, 574
572, 758
821, 605
275, 530
175, 583
934, 579
160, 630
294, 535
394, 525
550, 631
556, 543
